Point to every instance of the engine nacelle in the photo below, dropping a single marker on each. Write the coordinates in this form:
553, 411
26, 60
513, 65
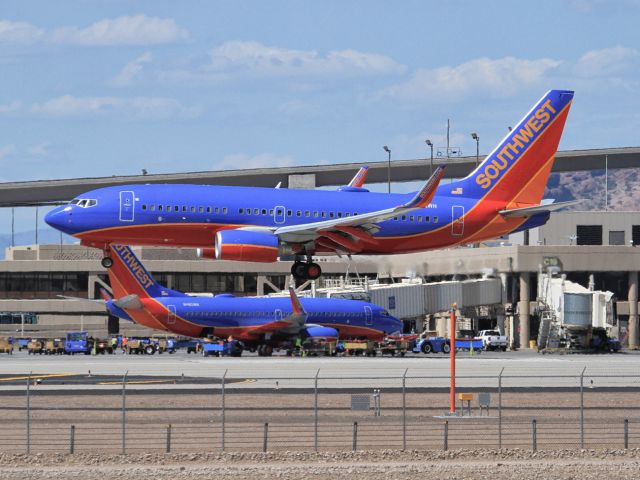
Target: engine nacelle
246, 246
318, 331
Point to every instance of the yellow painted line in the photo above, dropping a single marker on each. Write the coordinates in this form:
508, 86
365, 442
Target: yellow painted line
137, 382
34, 377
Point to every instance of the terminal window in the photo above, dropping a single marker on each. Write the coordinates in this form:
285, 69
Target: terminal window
589, 234
635, 234
616, 237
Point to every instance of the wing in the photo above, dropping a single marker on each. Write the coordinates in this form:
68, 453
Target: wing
536, 209
351, 232
290, 325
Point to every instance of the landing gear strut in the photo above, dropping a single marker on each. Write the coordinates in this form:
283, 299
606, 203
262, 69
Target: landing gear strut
306, 270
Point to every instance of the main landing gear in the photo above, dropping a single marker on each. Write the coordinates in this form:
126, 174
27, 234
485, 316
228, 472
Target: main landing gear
306, 270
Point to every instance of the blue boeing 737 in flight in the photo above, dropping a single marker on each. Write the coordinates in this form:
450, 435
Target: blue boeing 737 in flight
502, 195
257, 322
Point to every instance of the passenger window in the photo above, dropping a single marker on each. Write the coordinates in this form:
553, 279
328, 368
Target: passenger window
200, 209
208, 209
299, 213
315, 214
419, 218
241, 210
339, 214
347, 214
264, 211
152, 207
271, 211
404, 217
435, 219
193, 209
184, 208
144, 207
427, 219
176, 208
217, 210
307, 213
224, 210
159, 208
331, 215
256, 211
411, 218
289, 213
324, 214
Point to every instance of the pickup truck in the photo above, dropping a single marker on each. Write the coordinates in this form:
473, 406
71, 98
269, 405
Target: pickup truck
492, 340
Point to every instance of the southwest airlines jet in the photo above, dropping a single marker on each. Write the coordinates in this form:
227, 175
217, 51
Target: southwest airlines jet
257, 322
501, 196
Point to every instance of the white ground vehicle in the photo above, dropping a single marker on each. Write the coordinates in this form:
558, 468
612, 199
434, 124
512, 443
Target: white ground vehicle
492, 340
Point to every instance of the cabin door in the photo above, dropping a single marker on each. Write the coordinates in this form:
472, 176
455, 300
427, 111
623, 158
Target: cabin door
126, 206
368, 316
171, 317
457, 221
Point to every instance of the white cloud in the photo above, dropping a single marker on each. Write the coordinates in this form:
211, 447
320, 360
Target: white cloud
132, 70
253, 58
126, 30
607, 62
237, 161
137, 108
10, 107
39, 150
6, 151
19, 32
498, 78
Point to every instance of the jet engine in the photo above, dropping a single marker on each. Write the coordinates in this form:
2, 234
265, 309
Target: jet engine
244, 245
318, 331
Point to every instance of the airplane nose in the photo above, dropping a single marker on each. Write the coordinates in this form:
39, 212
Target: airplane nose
60, 219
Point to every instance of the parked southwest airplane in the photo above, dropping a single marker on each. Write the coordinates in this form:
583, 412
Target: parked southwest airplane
501, 196
257, 322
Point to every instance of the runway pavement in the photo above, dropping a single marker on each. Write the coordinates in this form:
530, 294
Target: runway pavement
519, 369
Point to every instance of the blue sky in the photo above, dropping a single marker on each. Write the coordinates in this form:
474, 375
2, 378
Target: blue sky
92, 87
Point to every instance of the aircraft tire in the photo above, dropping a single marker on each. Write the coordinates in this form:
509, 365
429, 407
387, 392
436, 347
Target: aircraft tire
313, 271
107, 262
299, 270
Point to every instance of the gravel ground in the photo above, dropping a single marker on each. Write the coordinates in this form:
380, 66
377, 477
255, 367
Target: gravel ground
378, 465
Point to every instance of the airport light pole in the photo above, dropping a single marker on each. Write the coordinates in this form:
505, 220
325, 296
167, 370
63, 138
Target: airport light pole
475, 136
386, 149
428, 142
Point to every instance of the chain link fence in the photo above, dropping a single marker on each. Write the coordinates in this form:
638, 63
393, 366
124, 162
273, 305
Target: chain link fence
323, 413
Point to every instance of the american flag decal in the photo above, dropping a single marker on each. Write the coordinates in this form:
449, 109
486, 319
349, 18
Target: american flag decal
457, 191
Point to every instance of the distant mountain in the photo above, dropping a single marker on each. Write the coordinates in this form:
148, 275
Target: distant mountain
589, 186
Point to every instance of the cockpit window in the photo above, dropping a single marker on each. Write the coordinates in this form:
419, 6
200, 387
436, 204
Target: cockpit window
384, 313
84, 202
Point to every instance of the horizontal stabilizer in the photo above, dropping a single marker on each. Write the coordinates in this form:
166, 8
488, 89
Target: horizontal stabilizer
536, 209
130, 302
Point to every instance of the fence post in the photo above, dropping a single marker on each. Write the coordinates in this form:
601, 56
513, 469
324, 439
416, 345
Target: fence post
28, 414
124, 412
446, 435
169, 438
626, 433
500, 409
223, 408
404, 410
355, 436
582, 408
72, 440
534, 435
265, 437
315, 412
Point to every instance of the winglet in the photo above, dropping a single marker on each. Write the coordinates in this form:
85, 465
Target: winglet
360, 177
428, 190
298, 309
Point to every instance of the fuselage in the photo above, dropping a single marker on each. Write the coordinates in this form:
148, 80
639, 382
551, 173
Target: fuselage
190, 215
226, 315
